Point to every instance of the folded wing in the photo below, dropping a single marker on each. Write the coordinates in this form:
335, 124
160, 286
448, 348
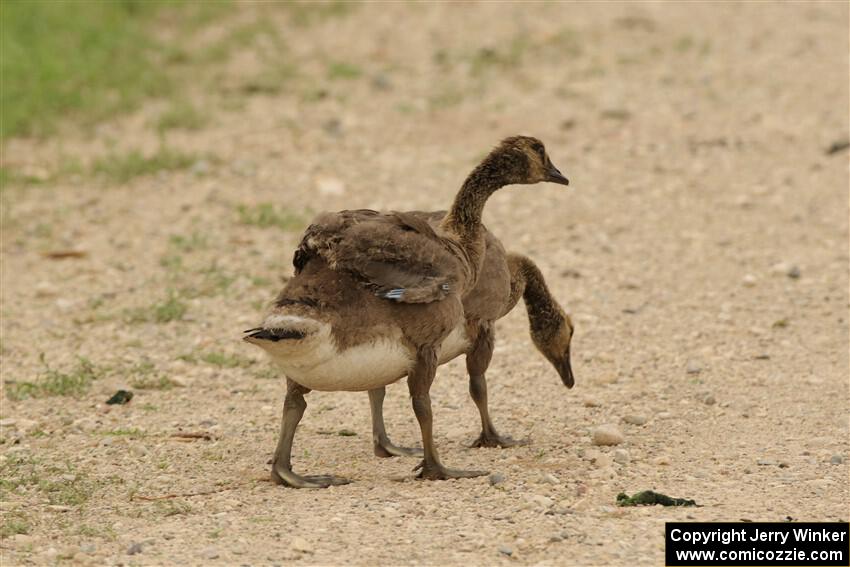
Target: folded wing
397, 255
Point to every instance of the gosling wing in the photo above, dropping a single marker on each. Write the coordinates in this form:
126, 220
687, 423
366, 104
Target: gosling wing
398, 256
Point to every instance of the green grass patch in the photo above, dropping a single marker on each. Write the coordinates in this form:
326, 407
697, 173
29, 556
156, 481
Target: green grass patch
343, 70
266, 215
172, 308
132, 432
52, 382
90, 61
189, 243
147, 377
120, 168
181, 115
14, 523
60, 485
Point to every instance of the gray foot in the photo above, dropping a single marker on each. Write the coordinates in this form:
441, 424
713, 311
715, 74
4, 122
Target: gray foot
292, 480
386, 449
495, 440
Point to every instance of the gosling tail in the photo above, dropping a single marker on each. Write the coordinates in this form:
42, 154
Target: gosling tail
551, 328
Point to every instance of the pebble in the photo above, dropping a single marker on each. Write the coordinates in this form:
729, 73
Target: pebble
621, 456
749, 280
505, 550
88, 548
496, 478
837, 459
664, 415
793, 273
540, 500
551, 479
661, 461
301, 545
693, 367
134, 549
635, 419
210, 553
591, 403
607, 435
8, 422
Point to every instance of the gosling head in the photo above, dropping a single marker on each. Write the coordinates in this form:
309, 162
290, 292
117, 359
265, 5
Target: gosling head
554, 343
523, 160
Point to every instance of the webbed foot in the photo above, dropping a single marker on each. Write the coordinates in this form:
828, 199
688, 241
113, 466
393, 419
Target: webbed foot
385, 449
288, 478
496, 440
439, 472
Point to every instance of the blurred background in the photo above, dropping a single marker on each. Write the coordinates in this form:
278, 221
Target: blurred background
160, 160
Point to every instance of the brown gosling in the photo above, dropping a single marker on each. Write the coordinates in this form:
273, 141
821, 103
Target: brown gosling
378, 296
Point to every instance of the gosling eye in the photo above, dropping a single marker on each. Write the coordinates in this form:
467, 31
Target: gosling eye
538, 148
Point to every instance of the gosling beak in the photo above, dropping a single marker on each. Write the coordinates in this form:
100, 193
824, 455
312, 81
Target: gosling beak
565, 369
555, 176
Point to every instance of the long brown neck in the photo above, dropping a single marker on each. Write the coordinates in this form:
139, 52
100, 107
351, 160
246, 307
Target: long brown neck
464, 218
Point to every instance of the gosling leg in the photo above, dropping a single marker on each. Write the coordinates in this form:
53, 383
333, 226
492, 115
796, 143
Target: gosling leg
419, 382
293, 409
381, 444
477, 361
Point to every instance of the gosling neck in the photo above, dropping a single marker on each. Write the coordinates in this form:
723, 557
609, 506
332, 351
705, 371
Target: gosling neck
464, 218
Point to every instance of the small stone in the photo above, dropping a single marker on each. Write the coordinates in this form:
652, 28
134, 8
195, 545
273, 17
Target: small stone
709, 400
551, 479
210, 553
8, 422
301, 545
606, 435
749, 280
635, 419
505, 550
837, 459
540, 500
134, 549
693, 367
662, 461
496, 478
621, 456
766, 462
664, 415
793, 272
88, 548
591, 403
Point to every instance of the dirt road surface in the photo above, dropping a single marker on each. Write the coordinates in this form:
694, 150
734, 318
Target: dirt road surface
702, 249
